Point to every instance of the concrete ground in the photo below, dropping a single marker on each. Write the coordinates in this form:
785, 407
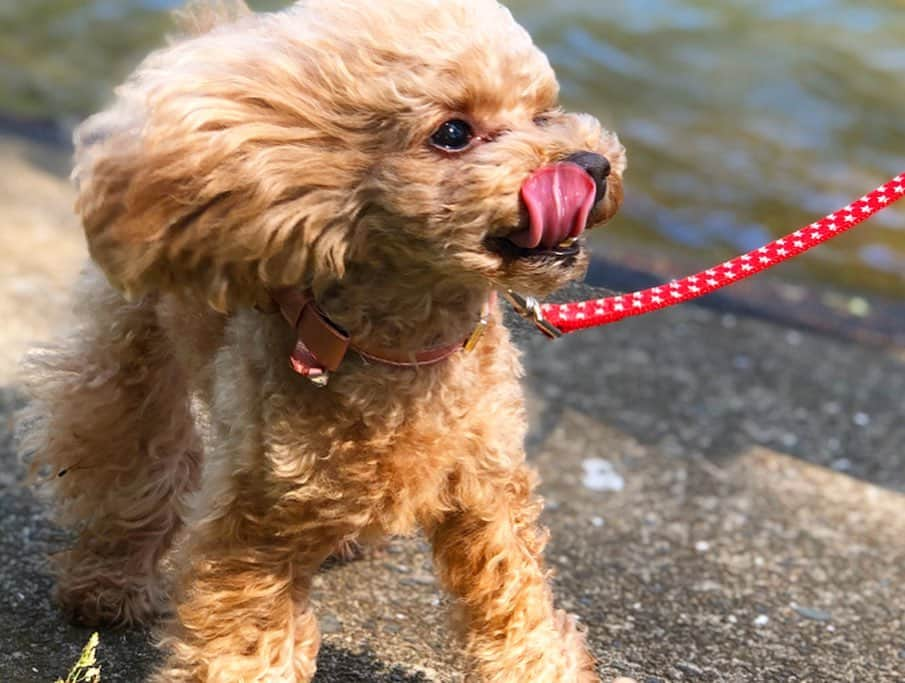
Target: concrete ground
725, 495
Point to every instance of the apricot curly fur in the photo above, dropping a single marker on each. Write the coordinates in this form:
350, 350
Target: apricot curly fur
291, 149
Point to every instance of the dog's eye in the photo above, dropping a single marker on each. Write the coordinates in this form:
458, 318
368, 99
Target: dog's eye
453, 136
543, 120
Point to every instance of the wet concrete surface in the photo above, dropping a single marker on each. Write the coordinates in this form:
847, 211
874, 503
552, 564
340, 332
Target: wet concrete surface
725, 496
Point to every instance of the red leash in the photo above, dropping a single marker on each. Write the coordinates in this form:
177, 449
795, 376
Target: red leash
557, 319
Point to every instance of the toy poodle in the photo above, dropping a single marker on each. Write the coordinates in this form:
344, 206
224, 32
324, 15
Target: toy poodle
290, 339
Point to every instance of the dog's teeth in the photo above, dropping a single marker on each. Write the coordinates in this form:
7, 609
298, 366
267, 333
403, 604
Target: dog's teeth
565, 244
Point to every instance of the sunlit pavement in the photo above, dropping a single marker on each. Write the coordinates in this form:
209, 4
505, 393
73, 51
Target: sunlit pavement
724, 496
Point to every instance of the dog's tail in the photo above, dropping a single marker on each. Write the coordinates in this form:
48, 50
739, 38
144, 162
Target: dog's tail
202, 16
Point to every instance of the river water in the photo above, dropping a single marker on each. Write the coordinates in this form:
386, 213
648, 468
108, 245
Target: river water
743, 118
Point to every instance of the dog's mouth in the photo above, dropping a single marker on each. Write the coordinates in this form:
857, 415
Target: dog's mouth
505, 248
558, 200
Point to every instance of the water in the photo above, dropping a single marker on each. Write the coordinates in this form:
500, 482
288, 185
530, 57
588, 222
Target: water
743, 118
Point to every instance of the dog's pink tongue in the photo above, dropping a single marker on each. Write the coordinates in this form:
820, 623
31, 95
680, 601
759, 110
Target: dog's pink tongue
559, 199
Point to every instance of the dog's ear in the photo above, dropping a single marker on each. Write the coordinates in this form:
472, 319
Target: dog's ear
214, 174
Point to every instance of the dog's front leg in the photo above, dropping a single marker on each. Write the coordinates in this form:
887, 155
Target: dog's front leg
242, 612
489, 554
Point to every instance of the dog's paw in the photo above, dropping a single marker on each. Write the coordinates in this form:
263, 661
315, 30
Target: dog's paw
110, 605
93, 592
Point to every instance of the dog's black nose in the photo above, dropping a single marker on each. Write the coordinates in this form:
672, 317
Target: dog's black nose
597, 166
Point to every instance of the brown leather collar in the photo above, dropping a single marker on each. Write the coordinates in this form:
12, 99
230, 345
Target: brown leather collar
321, 344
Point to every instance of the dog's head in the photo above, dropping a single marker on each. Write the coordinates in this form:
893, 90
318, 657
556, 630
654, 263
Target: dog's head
282, 149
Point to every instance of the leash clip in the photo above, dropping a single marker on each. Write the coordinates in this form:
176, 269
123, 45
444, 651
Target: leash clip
529, 308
